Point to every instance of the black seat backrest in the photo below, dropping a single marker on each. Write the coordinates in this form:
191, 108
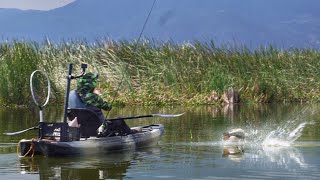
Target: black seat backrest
88, 120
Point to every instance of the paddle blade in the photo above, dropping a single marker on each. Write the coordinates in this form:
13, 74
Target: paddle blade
19, 132
168, 115
145, 116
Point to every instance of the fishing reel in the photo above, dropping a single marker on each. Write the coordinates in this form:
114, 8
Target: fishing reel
115, 128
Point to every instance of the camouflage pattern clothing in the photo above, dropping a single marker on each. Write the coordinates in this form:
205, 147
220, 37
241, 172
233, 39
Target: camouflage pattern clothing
85, 87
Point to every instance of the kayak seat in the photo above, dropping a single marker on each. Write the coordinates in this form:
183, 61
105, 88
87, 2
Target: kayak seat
88, 120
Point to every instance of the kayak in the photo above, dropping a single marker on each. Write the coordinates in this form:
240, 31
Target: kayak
147, 136
82, 132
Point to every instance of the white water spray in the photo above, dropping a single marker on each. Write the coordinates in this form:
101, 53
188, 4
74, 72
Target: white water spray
282, 136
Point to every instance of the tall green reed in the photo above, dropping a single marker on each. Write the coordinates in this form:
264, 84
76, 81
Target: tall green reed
156, 73
17, 61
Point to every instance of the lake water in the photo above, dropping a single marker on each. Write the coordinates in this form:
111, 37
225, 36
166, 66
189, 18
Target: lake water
282, 142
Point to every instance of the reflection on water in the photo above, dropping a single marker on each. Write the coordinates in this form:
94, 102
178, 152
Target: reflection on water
109, 166
263, 159
271, 156
101, 167
284, 156
271, 141
282, 142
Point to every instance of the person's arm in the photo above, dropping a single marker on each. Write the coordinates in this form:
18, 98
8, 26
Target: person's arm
92, 99
105, 105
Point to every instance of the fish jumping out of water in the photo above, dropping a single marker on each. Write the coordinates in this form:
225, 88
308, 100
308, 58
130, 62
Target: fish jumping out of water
234, 135
233, 141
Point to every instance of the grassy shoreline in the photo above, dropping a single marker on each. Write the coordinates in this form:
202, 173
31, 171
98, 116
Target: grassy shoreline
153, 73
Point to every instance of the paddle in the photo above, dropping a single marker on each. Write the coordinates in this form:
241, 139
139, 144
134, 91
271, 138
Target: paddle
22, 131
111, 119
149, 115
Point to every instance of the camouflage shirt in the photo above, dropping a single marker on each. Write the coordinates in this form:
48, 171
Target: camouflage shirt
85, 88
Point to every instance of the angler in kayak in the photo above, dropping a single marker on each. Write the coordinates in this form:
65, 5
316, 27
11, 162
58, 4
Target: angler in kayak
87, 96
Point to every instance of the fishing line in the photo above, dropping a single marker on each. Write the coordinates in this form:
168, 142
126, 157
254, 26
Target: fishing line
145, 23
135, 49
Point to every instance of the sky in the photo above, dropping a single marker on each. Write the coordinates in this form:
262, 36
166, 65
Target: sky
285, 23
42, 5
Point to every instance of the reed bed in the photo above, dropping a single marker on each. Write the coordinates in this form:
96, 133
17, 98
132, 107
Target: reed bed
166, 73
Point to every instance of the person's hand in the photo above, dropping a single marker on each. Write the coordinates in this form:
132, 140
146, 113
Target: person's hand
97, 91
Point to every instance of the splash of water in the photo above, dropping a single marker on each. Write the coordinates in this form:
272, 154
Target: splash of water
283, 136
